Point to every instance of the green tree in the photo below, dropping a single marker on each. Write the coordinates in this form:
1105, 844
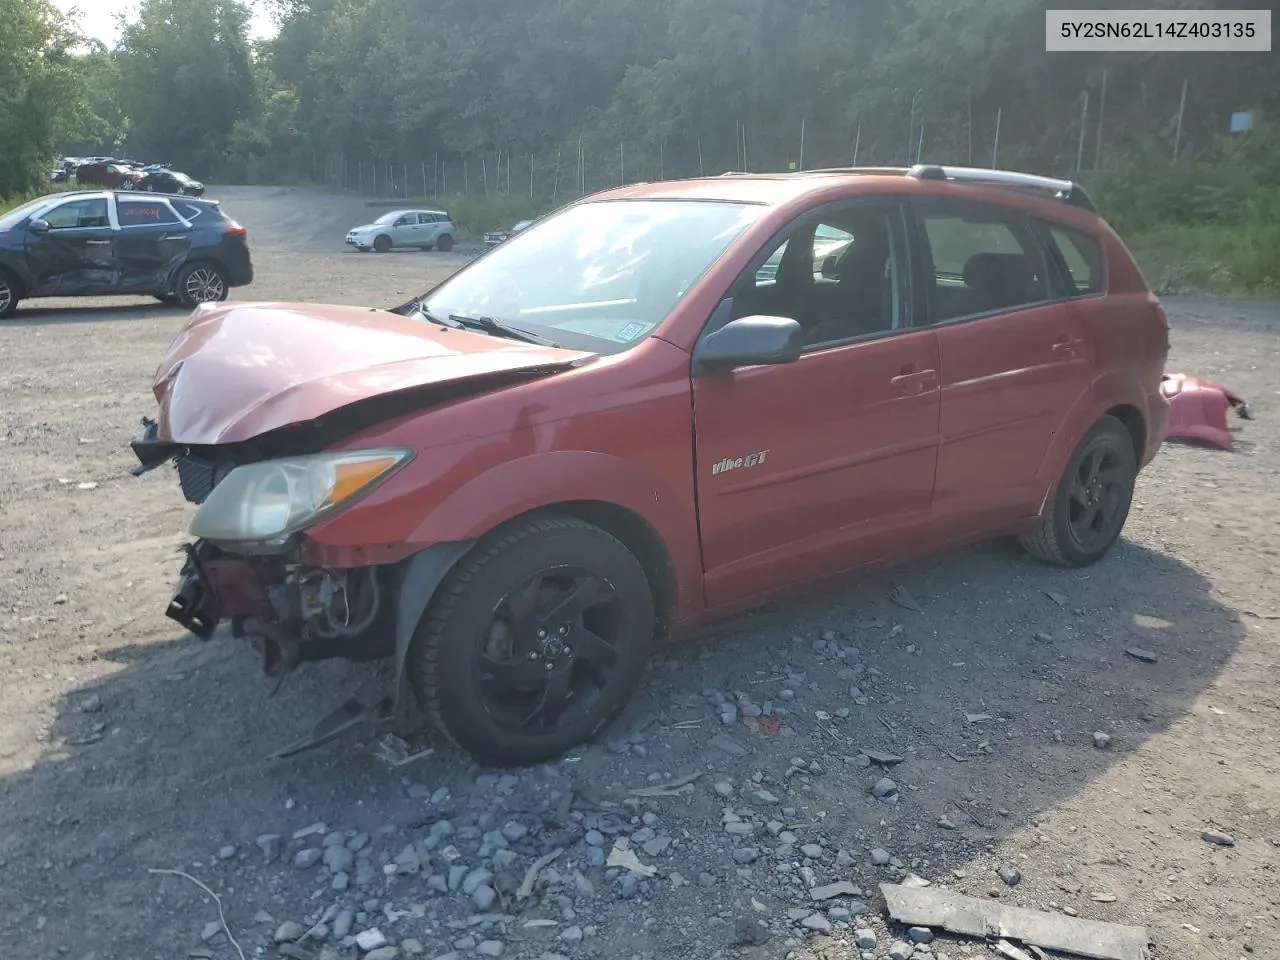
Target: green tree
186, 80
40, 98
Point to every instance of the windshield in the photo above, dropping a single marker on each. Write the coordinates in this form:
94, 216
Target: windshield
389, 217
16, 215
600, 275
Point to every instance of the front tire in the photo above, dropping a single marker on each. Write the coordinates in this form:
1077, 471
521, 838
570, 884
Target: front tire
10, 294
201, 283
382, 243
535, 642
1088, 510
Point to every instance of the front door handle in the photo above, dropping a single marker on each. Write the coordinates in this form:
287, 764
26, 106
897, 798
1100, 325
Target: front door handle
911, 383
1067, 346
97, 243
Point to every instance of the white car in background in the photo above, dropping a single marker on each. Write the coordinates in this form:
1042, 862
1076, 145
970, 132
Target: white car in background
420, 229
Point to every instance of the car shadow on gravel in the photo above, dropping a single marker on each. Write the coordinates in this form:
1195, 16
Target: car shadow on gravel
988, 676
37, 315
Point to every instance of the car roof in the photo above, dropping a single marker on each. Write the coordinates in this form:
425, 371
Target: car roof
773, 189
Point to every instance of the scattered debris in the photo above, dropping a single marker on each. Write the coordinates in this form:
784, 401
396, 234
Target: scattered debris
729, 745
1103, 898
222, 917
972, 917
1056, 597
1007, 949
674, 788
623, 856
1101, 740
977, 717
902, 597
880, 757
395, 751
1146, 656
841, 888
1218, 838
531, 875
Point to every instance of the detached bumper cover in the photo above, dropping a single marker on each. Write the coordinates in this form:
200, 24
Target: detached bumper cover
1198, 410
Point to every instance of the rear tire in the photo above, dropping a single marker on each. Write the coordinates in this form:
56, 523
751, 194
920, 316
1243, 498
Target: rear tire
10, 294
201, 283
444, 244
535, 642
382, 243
1087, 511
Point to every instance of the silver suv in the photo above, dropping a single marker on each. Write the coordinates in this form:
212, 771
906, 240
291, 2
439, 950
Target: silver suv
423, 229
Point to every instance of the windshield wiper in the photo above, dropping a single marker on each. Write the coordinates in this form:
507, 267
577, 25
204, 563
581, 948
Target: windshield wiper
497, 328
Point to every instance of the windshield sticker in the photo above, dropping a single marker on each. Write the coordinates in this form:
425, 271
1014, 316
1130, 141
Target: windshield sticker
629, 332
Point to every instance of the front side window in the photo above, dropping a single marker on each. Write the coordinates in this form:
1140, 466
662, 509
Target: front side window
600, 275
984, 261
87, 212
841, 276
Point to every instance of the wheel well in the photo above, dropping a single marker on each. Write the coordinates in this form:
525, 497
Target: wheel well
18, 286
1132, 421
198, 261
638, 537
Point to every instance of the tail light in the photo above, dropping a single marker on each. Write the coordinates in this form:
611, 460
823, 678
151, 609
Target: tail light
235, 230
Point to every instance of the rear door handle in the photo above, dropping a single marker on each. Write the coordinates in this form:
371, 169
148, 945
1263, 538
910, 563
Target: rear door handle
97, 243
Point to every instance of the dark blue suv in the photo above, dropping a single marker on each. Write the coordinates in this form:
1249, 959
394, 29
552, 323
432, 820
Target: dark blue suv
181, 250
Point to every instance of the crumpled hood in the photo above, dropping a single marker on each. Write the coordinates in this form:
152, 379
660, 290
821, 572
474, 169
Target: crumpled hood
240, 370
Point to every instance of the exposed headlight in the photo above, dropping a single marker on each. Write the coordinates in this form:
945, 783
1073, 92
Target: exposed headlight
259, 506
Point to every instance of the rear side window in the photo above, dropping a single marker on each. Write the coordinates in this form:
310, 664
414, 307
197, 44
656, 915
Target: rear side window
1081, 257
138, 213
191, 211
984, 261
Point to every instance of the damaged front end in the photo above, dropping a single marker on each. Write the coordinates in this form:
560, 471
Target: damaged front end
246, 566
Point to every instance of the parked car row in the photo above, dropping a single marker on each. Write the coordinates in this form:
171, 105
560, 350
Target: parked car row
114, 174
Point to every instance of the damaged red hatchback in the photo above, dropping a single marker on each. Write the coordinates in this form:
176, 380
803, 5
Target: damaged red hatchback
660, 405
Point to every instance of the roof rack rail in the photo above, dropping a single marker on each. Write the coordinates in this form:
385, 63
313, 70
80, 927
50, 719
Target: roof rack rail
1064, 190
874, 171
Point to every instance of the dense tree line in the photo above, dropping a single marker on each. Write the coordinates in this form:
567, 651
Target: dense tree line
664, 87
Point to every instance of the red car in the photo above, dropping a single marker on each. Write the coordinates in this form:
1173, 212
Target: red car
108, 174
653, 408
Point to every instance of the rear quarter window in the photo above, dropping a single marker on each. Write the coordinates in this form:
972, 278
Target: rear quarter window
135, 213
1081, 255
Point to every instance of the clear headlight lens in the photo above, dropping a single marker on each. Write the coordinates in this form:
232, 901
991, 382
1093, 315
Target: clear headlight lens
266, 503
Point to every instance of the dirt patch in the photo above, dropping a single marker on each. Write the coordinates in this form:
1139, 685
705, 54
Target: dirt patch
126, 747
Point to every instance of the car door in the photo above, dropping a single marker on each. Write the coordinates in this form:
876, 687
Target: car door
151, 243
75, 254
404, 231
1014, 357
432, 224
817, 466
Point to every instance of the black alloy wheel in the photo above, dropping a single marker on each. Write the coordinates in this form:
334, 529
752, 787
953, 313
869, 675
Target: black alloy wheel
535, 642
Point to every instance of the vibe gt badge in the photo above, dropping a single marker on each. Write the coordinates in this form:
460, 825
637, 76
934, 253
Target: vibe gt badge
734, 463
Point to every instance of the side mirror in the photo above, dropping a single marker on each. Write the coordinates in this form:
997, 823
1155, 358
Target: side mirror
751, 341
38, 226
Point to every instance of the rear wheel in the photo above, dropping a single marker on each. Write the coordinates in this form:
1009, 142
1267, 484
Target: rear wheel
445, 243
382, 243
535, 642
10, 293
1089, 508
201, 283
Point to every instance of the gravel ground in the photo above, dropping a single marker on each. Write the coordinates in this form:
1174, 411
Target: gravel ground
1015, 737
